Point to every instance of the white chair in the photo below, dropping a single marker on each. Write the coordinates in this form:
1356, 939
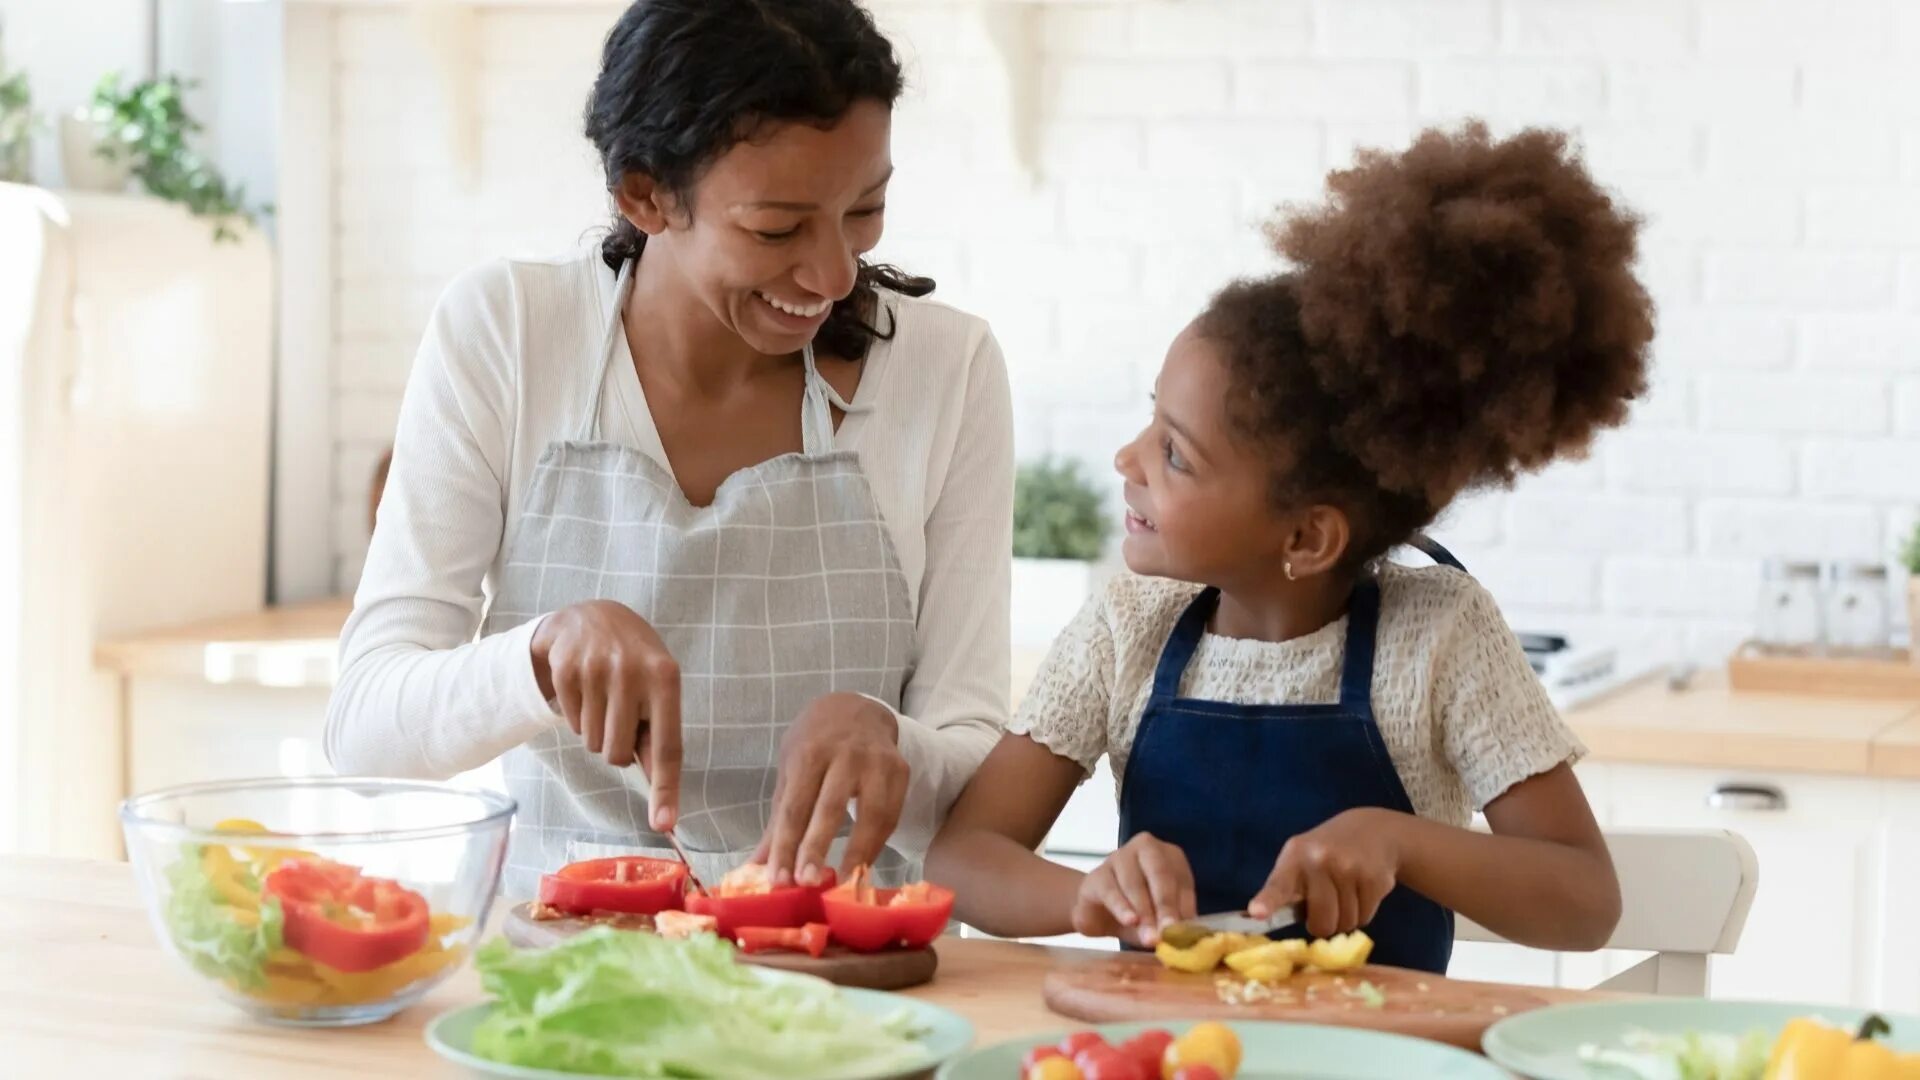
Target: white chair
1684, 896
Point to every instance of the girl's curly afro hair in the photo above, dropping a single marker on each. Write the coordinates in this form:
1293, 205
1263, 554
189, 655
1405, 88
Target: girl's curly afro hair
1456, 314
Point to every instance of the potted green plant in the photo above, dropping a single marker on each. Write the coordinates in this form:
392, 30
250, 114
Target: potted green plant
1060, 527
1910, 558
17, 125
142, 132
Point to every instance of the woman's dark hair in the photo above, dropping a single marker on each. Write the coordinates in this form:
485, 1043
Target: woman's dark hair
682, 81
1456, 314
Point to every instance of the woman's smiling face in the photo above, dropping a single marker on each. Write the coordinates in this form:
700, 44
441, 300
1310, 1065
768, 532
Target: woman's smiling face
769, 236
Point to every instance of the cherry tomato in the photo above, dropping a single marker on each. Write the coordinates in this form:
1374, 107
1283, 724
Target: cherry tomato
1148, 1048
1198, 1072
1080, 1040
1108, 1063
1053, 1068
1037, 1055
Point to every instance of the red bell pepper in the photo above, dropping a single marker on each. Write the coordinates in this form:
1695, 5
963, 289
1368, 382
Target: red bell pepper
866, 919
733, 907
335, 916
630, 883
810, 939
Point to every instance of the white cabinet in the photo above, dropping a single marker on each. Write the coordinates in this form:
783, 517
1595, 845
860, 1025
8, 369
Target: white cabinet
1813, 933
1898, 958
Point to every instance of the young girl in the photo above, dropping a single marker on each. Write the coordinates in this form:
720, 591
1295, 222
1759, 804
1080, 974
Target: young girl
1293, 718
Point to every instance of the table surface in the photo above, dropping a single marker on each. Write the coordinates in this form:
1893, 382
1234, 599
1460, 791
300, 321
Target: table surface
85, 990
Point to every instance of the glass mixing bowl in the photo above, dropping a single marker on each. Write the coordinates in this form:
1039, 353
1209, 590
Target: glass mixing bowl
320, 902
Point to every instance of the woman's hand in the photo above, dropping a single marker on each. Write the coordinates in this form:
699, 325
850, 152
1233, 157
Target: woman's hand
620, 691
1138, 889
843, 748
1342, 870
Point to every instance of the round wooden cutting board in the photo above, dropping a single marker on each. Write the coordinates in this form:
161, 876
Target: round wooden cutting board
1132, 987
895, 969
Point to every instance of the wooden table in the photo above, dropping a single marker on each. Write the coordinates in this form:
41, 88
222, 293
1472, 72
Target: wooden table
85, 991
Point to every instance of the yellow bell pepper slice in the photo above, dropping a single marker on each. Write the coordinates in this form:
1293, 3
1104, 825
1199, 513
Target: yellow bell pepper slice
1341, 952
442, 924
1198, 959
264, 858
1270, 962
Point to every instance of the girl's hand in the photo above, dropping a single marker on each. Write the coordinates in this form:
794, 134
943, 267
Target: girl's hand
1138, 889
843, 748
619, 689
1341, 870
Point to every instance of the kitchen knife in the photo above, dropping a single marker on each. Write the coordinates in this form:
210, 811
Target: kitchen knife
1187, 933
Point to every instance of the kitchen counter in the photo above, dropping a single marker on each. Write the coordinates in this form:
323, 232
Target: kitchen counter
1706, 725
85, 990
1711, 725
290, 645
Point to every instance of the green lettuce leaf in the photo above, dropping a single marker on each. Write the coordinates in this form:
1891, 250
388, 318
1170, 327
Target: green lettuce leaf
621, 1003
204, 929
1694, 1055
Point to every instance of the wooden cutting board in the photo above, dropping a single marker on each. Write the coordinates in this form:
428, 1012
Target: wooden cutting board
895, 969
1135, 987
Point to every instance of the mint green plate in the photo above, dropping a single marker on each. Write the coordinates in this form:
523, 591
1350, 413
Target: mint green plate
944, 1034
1544, 1044
1271, 1051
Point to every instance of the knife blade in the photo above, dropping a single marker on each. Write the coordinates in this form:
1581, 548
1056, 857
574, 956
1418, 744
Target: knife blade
675, 844
1188, 932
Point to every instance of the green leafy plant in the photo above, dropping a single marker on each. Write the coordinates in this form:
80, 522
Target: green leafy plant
18, 122
1057, 513
1910, 551
147, 126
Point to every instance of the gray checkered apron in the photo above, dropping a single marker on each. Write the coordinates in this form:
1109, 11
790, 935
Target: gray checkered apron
785, 588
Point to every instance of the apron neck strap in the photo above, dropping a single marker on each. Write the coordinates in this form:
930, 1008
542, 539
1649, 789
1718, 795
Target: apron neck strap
816, 406
1430, 547
589, 426
1356, 668
1181, 644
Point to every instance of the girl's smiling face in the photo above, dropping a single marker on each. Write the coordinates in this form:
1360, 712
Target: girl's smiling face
1199, 496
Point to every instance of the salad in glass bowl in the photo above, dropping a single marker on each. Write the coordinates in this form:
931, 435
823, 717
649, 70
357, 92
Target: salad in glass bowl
318, 902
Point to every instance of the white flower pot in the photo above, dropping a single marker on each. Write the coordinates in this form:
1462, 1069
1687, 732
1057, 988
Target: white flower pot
83, 169
1047, 593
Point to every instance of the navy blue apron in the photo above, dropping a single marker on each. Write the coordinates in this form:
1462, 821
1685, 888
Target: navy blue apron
1231, 784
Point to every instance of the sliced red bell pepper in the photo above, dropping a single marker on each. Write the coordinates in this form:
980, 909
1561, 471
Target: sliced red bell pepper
810, 939
337, 917
788, 905
629, 883
866, 919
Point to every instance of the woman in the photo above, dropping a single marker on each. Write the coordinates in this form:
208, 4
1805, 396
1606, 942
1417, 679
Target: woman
735, 503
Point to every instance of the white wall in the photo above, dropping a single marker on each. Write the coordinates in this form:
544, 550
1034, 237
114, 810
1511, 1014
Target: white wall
1773, 144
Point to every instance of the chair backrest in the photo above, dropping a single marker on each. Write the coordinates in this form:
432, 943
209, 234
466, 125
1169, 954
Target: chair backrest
1681, 891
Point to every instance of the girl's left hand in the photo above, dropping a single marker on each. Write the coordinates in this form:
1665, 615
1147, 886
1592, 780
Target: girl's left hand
1342, 870
843, 748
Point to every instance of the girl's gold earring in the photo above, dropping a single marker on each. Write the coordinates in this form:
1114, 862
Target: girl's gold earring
1288, 567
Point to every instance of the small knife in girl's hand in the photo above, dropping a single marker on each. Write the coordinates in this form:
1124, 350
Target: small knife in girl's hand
1187, 933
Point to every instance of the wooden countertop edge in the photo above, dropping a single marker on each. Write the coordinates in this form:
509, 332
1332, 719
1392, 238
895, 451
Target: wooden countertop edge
308, 627
234, 649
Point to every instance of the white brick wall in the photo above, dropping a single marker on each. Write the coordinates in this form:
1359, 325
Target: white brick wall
1773, 146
